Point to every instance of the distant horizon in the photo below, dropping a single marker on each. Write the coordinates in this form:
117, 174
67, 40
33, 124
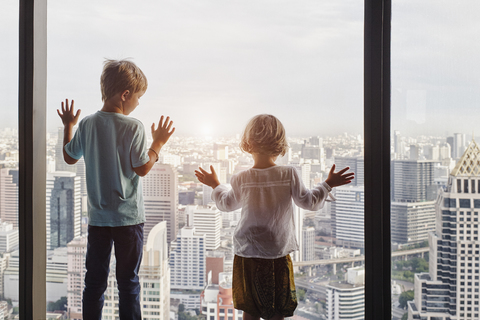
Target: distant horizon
212, 67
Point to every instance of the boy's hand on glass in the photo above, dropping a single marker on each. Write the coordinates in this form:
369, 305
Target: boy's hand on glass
163, 132
209, 179
67, 115
340, 178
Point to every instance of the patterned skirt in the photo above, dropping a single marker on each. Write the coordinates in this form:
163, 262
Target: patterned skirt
264, 287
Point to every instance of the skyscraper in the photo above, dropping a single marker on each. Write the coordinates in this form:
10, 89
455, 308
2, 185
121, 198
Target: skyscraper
76, 251
154, 277
450, 290
346, 300
60, 164
9, 196
412, 221
412, 180
356, 165
308, 243
208, 221
65, 209
187, 260
348, 216
161, 199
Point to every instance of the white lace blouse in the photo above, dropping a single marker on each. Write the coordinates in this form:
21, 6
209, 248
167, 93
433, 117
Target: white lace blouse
266, 227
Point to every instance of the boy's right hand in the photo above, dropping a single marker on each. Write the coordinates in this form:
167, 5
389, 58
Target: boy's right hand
336, 179
163, 132
210, 179
69, 119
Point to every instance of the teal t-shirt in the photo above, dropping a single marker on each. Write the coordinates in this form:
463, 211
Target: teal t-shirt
112, 144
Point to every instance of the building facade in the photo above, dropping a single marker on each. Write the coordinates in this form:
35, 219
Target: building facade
208, 221
348, 216
187, 260
64, 209
160, 196
450, 290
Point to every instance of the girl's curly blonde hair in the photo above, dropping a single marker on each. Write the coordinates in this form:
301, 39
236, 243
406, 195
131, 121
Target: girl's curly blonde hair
264, 134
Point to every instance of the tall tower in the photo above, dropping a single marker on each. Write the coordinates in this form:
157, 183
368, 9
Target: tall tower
450, 290
65, 209
412, 180
187, 260
208, 221
9, 196
348, 216
76, 251
160, 195
154, 276
60, 164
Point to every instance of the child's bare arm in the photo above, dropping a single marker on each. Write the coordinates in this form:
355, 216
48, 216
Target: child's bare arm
209, 179
69, 120
160, 137
340, 178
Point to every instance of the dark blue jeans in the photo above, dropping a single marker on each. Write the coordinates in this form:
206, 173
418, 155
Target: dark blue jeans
128, 242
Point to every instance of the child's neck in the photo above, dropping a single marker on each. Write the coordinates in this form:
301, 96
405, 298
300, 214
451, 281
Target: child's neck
263, 161
113, 105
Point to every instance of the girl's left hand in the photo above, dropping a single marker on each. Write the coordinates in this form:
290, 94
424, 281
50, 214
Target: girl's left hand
209, 179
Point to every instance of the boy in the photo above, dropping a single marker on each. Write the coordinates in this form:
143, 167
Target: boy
114, 147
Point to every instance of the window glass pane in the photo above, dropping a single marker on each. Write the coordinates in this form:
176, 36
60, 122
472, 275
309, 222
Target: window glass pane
212, 67
435, 90
9, 254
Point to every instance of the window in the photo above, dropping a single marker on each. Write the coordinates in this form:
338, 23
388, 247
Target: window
370, 86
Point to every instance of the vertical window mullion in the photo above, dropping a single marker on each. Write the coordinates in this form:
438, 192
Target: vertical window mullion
377, 159
32, 158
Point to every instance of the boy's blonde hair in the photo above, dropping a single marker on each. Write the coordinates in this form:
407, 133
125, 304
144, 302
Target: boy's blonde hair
264, 134
121, 75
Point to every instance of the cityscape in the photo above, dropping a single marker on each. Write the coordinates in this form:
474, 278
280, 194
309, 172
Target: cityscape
187, 263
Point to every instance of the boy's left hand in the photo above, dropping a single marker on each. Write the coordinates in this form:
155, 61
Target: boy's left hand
67, 116
210, 179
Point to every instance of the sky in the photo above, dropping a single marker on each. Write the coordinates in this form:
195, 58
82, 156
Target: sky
212, 65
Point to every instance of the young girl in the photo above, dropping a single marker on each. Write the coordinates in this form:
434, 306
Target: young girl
263, 284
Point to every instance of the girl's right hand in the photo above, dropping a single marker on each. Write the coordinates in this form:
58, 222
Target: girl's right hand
209, 179
336, 179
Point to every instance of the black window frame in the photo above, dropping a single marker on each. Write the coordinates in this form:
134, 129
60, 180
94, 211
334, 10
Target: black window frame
32, 133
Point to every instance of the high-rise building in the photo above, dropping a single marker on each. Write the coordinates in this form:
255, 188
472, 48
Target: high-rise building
207, 195
398, 145
8, 237
56, 277
356, 165
220, 151
308, 243
305, 172
154, 277
450, 290
412, 221
459, 144
76, 251
348, 216
346, 300
9, 196
187, 260
65, 209
160, 196
413, 180
208, 221
60, 164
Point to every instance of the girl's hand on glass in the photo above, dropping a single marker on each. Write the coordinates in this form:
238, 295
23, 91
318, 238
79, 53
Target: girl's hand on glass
340, 178
209, 179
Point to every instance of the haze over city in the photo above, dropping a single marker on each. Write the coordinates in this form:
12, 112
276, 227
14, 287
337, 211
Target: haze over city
213, 66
